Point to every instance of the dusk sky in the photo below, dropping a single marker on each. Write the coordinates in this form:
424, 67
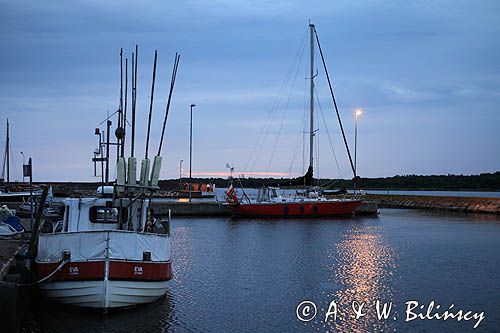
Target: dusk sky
426, 74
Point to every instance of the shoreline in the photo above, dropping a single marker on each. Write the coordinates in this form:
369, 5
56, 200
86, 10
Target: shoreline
447, 203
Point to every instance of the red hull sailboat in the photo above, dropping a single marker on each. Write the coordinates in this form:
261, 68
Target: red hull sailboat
270, 204
275, 202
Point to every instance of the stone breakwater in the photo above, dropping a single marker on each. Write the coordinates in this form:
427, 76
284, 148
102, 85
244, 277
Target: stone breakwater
461, 204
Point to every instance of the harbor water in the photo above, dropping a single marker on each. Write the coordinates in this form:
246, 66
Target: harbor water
250, 275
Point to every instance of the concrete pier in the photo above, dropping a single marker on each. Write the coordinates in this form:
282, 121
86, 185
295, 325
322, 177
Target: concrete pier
461, 204
211, 208
194, 208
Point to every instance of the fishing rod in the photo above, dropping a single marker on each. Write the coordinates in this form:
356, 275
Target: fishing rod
134, 97
172, 83
125, 111
144, 178
120, 110
151, 105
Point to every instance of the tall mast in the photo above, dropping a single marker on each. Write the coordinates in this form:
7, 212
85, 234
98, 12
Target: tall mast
311, 99
120, 113
7, 152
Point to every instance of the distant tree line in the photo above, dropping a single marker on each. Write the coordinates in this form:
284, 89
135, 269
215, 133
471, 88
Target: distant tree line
483, 181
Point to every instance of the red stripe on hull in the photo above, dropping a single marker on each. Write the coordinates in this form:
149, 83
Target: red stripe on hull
73, 271
118, 270
143, 271
299, 209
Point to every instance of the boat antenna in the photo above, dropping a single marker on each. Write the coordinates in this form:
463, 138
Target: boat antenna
172, 83
120, 114
125, 111
335, 104
151, 104
134, 94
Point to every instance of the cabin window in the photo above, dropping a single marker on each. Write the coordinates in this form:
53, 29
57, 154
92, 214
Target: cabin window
101, 214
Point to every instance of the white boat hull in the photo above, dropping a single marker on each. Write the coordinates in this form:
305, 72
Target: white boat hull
104, 269
104, 294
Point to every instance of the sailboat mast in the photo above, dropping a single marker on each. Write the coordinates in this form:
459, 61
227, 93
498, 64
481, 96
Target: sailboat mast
7, 152
311, 99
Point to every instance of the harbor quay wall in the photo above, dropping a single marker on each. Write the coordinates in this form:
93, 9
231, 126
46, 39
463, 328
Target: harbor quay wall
194, 208
218, 209
449, 203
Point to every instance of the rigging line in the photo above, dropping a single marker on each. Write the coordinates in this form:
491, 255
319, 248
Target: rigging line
264, 130
285, 112
317, 148
304, 124
331, 182
269, 118
4, 161
301, 136
297, 147
274, 107
335, 103
328, 134
278, 103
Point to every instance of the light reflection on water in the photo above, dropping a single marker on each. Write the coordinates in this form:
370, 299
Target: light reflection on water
365, 262
250, 274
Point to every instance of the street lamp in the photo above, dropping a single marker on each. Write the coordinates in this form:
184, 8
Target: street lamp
180, 169
190, 149
23, 164
357, 113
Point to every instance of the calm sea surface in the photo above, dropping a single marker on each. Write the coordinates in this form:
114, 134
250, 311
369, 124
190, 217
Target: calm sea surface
249, 275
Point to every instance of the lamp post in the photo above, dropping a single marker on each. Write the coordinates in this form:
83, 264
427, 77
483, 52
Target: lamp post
357, 113
24, 162
190, 149
180, 169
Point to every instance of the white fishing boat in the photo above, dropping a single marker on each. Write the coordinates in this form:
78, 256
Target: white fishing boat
110, 250
111, 253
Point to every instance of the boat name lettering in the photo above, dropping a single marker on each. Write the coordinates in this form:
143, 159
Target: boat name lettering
73, 270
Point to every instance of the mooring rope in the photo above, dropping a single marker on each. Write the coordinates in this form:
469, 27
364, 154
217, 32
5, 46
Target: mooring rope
45, 279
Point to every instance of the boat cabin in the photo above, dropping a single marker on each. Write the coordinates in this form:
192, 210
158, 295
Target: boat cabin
267, 194
104, 212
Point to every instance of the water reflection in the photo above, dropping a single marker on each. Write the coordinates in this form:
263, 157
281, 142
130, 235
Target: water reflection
364, 264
